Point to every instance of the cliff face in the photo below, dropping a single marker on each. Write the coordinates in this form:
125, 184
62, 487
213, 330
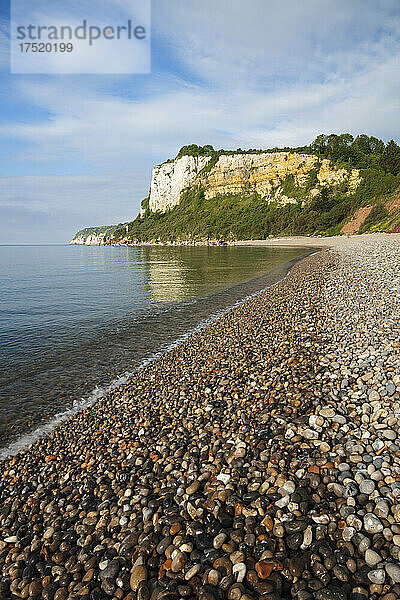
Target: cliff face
220, 196
261, 173
328, 175
91, 239
170, 179
94, 236
240, 173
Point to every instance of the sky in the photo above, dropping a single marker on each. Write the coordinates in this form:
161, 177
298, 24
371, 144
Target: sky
78, 150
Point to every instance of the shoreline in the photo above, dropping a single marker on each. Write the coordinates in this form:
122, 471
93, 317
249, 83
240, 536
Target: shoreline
336, 241
322, 242
252, 460
23, 441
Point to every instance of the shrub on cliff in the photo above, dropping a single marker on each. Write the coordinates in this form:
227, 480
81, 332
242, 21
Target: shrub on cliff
195, 150
391, 158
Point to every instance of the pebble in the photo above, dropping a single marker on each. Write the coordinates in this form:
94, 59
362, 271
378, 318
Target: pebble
372, 558
239, 570
260, 458
393, 570
377, 576
372, 524
138, 575
367, 487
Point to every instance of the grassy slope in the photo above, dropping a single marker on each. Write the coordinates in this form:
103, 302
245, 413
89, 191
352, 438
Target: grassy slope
385, 215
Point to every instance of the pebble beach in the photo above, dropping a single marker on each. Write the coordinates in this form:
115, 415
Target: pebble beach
260, 458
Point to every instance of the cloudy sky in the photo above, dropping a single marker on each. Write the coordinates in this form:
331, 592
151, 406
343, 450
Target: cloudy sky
77, 150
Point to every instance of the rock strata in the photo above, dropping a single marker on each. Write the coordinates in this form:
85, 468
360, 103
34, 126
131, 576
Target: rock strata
263, 173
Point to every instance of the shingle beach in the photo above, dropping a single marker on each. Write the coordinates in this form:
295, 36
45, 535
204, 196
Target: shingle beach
258, 459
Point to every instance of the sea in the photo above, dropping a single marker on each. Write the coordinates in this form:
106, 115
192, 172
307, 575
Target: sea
76, 321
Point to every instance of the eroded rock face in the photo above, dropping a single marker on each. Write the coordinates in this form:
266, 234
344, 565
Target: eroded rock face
329, 176
92, 239
238, 173
170, 179
261, 173
95, 236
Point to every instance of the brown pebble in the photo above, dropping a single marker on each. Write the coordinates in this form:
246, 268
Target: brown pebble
61, 594
35, 589
175, 527
138, 574
192, 489
264, 568
268, 523
178, 562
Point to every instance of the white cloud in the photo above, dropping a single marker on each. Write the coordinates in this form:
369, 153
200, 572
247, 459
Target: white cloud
236, 47
270, 41
255, 74
115, 134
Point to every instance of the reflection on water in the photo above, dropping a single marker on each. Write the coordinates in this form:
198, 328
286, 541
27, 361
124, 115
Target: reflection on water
73, 317
180, 273
161, 272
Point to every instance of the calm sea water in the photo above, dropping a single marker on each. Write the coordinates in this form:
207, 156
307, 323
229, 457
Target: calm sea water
74, 318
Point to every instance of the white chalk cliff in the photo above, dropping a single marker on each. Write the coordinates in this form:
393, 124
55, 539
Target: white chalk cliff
262, 173
93, 236
171, 178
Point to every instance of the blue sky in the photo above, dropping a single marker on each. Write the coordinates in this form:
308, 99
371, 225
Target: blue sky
77, 150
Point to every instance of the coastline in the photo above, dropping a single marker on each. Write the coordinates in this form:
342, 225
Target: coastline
336, 241
167, 328
241, 463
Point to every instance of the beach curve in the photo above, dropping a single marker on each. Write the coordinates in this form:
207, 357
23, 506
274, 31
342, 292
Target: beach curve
259, 458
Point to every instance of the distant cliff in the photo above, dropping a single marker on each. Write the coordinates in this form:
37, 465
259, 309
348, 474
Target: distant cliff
95, 236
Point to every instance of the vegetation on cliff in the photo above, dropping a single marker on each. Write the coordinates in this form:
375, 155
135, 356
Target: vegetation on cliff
248, 216
102, 230
344, 150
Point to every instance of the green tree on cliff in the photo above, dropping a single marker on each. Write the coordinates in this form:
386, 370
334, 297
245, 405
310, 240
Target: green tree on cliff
391, 158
